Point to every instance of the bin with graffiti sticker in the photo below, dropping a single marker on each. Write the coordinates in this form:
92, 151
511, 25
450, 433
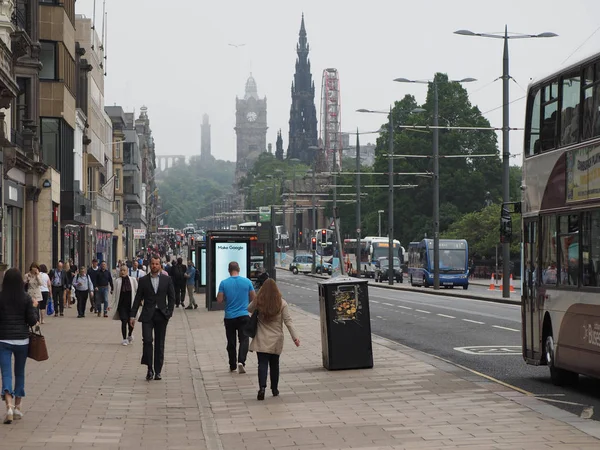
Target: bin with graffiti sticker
345, 324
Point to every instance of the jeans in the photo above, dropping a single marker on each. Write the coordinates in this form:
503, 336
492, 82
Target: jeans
266, 360
102, 299
233, 326
179, 294
57, 298
6, 353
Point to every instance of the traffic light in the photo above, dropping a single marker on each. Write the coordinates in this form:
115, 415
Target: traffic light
192, 241
313, 244
300, 235
505, 226
324, 237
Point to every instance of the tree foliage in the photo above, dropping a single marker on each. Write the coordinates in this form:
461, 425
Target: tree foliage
481, 229
186, 190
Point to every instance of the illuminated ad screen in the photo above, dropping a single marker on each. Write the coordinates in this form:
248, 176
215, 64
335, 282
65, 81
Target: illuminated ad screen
225, 252
203, 267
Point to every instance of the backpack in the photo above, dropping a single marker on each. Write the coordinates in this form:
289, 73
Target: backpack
197, 275
178, 273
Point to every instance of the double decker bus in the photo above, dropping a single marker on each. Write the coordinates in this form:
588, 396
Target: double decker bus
350, 258
454, 263
324, 251
560, 304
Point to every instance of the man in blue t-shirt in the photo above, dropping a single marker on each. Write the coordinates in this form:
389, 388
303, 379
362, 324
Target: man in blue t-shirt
237, 292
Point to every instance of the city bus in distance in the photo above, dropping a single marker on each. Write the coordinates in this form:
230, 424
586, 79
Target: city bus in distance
560, 303
326, 250
349, 249
166, 231
454, 263
378, 247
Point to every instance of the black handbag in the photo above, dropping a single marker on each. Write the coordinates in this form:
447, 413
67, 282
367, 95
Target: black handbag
252, 325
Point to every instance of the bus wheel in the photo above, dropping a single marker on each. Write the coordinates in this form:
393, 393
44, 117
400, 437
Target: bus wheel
559, 377
295, 271
425, 284
465, 287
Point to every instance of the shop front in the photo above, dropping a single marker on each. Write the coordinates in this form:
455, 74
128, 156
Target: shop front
14, 194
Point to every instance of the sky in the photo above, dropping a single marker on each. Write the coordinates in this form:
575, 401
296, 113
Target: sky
176, 58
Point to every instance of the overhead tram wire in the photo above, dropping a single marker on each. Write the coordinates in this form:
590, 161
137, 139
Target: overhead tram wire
581, 45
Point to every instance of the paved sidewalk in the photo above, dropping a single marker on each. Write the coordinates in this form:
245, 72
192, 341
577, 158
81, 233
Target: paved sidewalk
92, 394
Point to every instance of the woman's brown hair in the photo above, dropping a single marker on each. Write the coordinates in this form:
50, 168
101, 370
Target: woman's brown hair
268, 301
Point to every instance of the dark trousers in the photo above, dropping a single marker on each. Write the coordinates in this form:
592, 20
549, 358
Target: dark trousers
266, 361
57, 298
82, 297
179, 294
158, 325
233, 327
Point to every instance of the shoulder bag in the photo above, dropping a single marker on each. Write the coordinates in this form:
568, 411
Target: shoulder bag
37, 345
252, 325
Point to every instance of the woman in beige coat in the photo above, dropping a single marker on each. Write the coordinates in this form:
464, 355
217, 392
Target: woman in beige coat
273, 312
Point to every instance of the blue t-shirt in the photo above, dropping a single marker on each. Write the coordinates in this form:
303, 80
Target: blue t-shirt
237, 298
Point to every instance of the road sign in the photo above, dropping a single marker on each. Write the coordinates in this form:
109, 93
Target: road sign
332, 225
264, 214
358, 230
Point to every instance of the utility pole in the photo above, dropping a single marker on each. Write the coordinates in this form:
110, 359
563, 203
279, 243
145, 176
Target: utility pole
505, 164
391, 201
358, 218
436, 189
314, 217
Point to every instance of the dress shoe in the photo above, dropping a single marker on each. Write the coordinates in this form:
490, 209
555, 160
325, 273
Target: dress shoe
190, 307
261, 394
275, 392
196, 306
149, 375
157, 377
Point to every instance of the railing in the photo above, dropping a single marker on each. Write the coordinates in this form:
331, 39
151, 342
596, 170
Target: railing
20, 15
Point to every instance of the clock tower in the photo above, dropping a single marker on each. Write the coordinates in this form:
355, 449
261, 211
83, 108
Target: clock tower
250, 128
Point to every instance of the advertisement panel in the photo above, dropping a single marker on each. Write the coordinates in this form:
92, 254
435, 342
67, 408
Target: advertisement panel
583, 174
225, 252
139, 233
203, 267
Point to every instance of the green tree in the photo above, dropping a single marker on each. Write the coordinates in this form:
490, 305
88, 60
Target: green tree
481, 229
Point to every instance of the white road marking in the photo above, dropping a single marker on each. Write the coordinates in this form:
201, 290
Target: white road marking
374, 301
506, 328
403, 307
444, 315
490, 350
387, 304
421, 311
379, 317
474, 321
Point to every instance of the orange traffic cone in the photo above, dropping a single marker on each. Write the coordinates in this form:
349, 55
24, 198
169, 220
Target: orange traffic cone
492, 284
512, 286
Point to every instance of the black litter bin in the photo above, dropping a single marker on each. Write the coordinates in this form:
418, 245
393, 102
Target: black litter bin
345, 324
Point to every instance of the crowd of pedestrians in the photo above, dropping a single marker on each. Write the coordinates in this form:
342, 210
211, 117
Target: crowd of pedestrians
144, 291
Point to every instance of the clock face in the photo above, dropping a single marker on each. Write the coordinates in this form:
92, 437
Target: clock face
251, 116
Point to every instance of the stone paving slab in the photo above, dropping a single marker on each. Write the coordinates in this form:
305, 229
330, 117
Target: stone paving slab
92, 394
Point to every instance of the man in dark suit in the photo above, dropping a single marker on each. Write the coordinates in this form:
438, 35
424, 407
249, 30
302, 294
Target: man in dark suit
158, 294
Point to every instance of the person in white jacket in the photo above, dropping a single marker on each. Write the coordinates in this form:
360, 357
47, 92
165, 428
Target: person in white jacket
123, 296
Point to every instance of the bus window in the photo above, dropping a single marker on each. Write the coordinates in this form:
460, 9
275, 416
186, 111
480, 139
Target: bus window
590, 242
549, 256
591, 102
569, 115
569, 250
533, 124
550, 109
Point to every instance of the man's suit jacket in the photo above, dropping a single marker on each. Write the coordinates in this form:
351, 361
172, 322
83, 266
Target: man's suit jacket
163, 299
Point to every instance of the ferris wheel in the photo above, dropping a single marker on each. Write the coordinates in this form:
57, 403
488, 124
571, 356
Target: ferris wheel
331, 119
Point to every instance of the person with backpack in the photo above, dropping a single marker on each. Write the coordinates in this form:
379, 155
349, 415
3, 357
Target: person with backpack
178, 275
190, 279
83, 287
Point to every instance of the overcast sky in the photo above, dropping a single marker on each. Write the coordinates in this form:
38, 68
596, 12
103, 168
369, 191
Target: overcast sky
175, 58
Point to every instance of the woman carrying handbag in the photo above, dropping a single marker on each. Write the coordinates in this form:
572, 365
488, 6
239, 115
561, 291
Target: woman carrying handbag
273, 312
18, 312
123, 296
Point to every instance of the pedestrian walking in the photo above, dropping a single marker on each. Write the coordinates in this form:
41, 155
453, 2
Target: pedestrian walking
83, 288
103, 281
92, 272
178, 271
273, 312
18, 312
68, 285
135, 271
58, 278
33, 283
158, 294
237, 292
46, 289
190, 280
124, 294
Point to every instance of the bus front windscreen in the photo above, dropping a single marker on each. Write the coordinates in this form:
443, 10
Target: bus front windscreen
451, 260
381, 249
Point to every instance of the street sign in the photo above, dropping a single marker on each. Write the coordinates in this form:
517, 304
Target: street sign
358, 230
332, 225
264, 214
139, 233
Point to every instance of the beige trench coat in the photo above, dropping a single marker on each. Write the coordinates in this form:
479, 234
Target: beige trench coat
269, 335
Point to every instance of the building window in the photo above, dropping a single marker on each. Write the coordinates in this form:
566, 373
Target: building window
118, 207
48, 59
118, 150
50, 142
118, 179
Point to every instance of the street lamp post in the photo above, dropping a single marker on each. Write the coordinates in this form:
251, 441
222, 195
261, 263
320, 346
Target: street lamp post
358, 218
436, 173
379, 213
294, 223
505, 134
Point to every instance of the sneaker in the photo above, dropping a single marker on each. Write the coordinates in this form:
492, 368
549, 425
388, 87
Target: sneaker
125, 342
17, 414
130, 339
241, 368
8, 418
105, 314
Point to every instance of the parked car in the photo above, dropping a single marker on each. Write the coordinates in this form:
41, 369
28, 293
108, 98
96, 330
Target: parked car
325, 268
382, 270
